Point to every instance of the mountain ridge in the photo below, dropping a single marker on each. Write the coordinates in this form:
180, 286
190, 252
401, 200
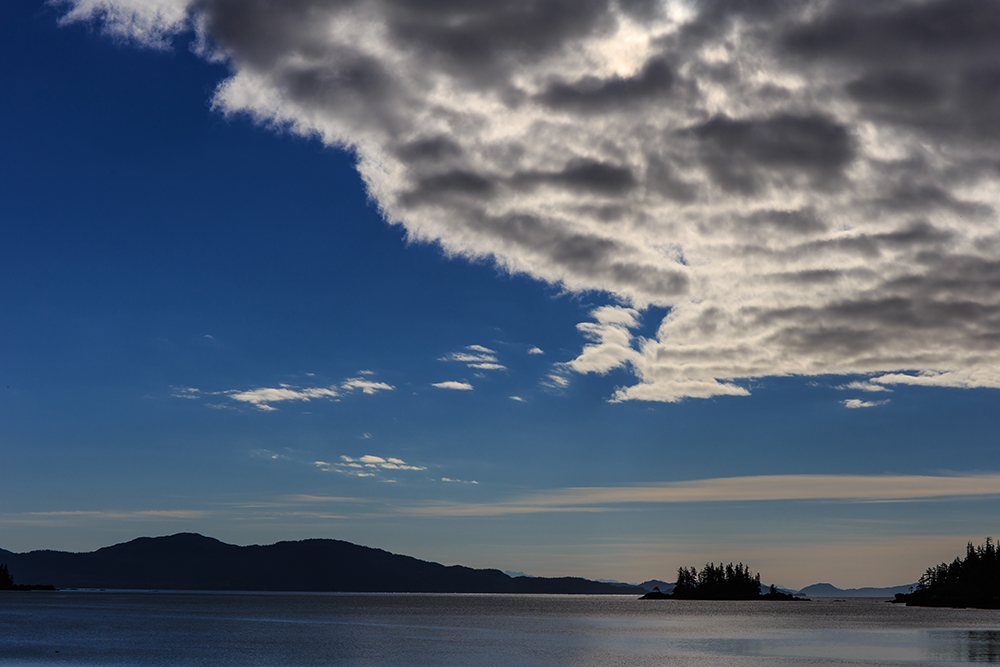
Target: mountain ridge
190, 561
829, 590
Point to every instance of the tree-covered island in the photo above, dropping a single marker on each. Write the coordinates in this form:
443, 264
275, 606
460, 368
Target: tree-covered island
718, 582
973, 581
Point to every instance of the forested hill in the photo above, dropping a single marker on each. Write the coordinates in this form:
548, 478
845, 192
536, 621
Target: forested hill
973, 581
188, 561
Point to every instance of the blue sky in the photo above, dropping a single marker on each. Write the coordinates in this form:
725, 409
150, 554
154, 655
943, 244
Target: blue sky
257, 312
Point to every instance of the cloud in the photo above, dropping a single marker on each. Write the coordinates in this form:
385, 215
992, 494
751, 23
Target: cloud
262, 397
808, 188
477, 356
366, 386
185, 392
863, 386
453, 384
855, 403
839, 488
536, 350
517, 398
368, 465
556, 381
458, 481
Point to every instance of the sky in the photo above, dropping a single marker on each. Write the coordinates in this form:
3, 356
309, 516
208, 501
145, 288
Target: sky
580, 287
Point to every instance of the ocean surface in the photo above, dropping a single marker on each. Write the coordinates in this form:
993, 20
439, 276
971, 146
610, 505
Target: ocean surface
247, 629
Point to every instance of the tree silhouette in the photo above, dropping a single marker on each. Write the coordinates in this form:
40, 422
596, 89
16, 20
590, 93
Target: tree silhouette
6, 581
973, 581
717, 582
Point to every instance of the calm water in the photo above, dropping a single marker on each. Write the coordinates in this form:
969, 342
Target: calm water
156, 629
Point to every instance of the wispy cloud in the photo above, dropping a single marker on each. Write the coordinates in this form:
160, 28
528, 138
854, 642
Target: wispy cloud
517, 398
536, 350
366, 386
863, 386
453, 384
458, 481
185, 392
843, 488
855, 403
555, 381
476, 356
263, 398
76, 518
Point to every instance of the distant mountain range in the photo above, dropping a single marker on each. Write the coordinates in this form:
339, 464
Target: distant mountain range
188, 561
831, 591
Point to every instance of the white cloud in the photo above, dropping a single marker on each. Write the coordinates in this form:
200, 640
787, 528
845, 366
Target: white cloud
458, 481
536, 350
964, 379
453, 384
809, 187
517, 398
855, 403
150, 23
366, 386
863, 386
263, 397
555, 381
185, 392
368, 465
477, 356
486, 366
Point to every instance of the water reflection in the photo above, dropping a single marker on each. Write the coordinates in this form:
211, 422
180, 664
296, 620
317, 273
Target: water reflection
965, 645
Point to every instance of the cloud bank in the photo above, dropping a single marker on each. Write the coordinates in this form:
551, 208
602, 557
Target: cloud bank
809, 187
838, 488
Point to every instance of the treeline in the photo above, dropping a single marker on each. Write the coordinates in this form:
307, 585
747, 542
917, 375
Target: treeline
7, 582
973, 581
717, 582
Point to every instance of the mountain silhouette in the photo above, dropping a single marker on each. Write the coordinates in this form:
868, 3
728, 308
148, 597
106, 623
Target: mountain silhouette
189, 561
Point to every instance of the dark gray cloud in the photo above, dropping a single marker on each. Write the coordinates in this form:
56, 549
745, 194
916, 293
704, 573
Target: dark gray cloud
902, 32
808, 186
591, 94
583, 175
744, 154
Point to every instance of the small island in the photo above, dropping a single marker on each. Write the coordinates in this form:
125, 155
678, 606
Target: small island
718, 582
7, 582
973, 581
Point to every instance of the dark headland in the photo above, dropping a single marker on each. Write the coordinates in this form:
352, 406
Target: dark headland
7, 582
973, 581
188, 561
